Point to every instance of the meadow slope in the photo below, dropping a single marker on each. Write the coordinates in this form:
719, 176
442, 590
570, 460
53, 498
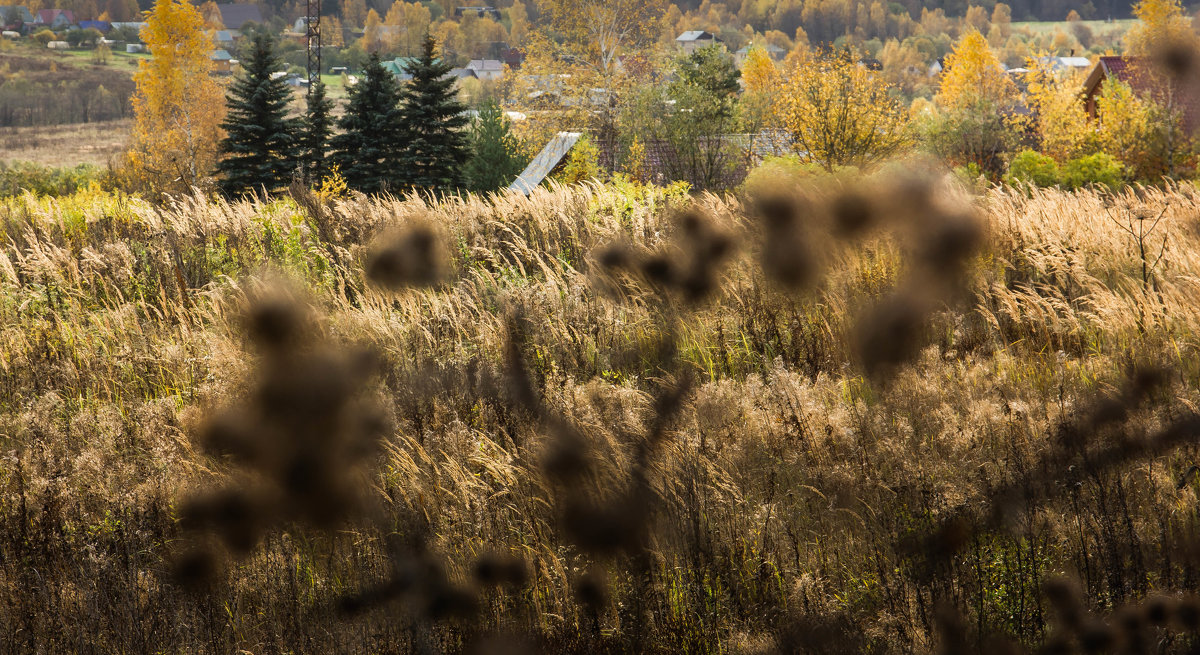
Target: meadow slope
791, 493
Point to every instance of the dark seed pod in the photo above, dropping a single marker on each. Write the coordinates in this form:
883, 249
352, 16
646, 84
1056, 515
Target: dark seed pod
592, 590
852, 214
275, 322
412, 258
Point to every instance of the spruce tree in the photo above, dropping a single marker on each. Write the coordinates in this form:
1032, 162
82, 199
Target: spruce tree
368, 151
437, 146
318, 126
259, 150
495, 159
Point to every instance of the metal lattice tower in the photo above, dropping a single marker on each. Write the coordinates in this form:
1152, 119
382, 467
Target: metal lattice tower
313, 24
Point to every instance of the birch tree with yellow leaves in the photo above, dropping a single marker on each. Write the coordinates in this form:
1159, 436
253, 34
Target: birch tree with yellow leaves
973, 124
1161, 24
757, 107
972, 75
177, 105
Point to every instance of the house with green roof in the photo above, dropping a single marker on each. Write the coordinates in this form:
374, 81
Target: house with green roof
399, 67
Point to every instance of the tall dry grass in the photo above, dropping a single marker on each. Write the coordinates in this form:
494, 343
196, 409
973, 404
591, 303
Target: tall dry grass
792, 500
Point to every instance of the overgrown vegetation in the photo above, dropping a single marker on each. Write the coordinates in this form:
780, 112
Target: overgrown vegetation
37, 91
804, 491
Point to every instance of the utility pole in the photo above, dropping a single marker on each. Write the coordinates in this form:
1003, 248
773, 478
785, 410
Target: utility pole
313, 25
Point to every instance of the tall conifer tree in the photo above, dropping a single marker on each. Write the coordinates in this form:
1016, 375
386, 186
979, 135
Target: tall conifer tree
437, 146
259, 150
367, 152
495, 154
318, 127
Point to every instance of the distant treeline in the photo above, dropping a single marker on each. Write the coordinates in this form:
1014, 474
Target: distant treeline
1021, 9
32, 93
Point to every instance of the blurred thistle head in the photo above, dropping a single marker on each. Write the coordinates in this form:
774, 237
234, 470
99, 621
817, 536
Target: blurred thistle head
853, 213
1176, 57
413, 257
777, 211
493, 569
890, 333
299, 437
949, 242
276, 320
196, 568
591, 589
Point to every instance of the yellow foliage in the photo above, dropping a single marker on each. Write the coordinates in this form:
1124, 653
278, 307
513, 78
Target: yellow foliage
1129, 126
759, 72
212, 15
333, 186
600, 30
177, 106
840, 113
635, 162
1062, 125
973, 74
370, 38
1161, 23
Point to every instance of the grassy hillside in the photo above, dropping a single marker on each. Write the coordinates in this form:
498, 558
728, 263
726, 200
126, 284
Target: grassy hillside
593, 421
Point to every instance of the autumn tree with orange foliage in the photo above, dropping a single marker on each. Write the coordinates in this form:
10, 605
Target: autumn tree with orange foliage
212, 15
177, 105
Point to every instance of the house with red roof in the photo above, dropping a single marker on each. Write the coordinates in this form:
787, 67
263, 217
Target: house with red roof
55, 18
1185, 93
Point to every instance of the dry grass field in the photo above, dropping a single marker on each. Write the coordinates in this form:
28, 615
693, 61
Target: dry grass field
65, 145
882, 418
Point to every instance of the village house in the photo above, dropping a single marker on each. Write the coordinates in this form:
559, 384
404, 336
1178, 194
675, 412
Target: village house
398, 67
101, 26
1185, 97
489, 12
694, 40
222, 62
55, 19
773, 51
512, 57
138, 27
487, 69
1068, 64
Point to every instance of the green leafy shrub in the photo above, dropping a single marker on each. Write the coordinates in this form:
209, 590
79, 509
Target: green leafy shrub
1032, 167
20, 177
789, 168
1100, 168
